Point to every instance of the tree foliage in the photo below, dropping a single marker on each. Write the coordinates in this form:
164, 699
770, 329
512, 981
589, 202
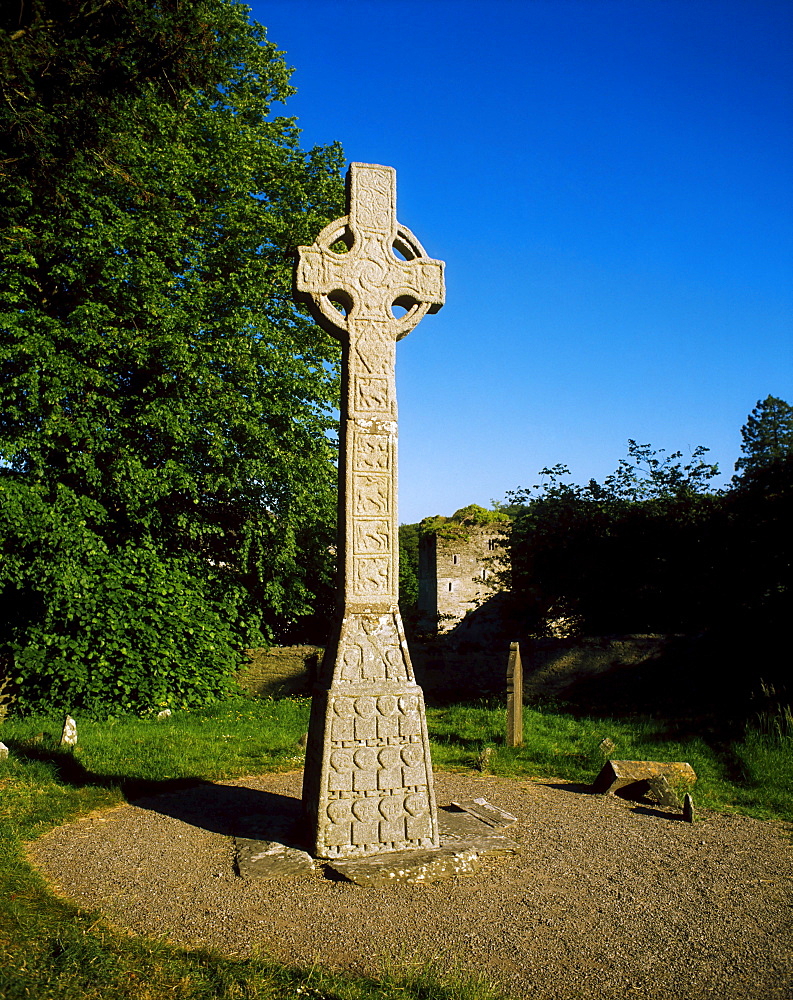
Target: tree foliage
767, 437
654, 549
461, 521
631, 554
167, 467
408, 567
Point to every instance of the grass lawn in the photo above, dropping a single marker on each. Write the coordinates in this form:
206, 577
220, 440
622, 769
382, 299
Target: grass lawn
50, 949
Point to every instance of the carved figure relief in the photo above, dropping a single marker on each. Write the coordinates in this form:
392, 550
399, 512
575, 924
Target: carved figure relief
372, 394
372, 536
377, 760
374, 351
372, 575
371, 452
371, 495
370, 650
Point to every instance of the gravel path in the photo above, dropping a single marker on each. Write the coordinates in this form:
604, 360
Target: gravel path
605, 899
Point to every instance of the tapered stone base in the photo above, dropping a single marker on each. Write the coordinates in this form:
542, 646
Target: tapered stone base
367, 784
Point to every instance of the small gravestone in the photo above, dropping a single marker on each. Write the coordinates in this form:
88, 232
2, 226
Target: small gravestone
606, 747
629, 778
69, 734
514, 697
3, 751
367, 783
688, 808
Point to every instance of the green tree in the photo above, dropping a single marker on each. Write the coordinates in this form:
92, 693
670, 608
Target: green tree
628, 554
459, 524
767, 436
408, 567
166, 413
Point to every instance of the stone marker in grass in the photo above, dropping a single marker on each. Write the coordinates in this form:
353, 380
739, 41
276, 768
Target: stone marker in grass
514, 697
69, 734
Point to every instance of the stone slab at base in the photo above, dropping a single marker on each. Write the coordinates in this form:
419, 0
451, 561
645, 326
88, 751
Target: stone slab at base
268, 859
629, 777
407, 866
464, 839
496, 818
462, 831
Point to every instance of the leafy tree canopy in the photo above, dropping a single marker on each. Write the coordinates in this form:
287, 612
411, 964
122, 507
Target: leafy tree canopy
168, 478
461, 520
767, 436
408, 566
610, 554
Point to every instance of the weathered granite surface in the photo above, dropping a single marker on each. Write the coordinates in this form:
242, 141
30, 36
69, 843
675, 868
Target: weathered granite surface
630, 777
407, 866
462, 831
267, 859
483, 810
368, 783
661, 791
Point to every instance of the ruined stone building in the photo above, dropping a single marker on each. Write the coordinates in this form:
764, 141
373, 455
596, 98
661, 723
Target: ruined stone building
458, 571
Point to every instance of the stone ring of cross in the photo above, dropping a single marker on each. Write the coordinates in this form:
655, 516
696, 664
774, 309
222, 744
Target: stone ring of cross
383, 277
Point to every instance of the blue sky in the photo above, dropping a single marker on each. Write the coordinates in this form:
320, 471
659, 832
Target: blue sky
610, 183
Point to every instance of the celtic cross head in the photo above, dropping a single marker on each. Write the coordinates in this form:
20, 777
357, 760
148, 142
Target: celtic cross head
378, 267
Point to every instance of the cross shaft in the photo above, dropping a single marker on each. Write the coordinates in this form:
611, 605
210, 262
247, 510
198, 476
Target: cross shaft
367, 784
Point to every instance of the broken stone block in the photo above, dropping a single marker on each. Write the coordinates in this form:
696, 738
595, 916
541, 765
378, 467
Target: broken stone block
269, 859
164, 714
3, 751
659, 789
487, 813
406, 866
629, 778
69, 734
688, 809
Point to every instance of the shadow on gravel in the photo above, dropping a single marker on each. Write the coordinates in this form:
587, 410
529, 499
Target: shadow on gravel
227, 810
569, 786
644, 807
233, 811
674, 817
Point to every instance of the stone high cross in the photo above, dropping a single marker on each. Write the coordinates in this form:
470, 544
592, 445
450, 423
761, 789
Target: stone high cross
367, 784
